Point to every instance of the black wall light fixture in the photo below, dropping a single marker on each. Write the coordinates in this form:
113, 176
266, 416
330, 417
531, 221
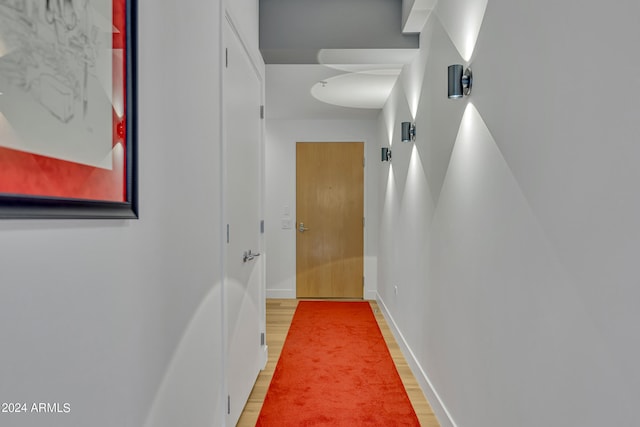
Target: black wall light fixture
386, 154
408, 132
459, 83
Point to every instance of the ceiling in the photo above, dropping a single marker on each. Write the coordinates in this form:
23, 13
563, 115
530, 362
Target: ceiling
355, 90
288, 94
335, 62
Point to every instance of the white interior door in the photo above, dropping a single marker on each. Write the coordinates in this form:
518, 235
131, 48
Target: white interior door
245, 300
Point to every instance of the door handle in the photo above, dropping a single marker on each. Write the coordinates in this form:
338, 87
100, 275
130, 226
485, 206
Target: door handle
248, 256
302, 228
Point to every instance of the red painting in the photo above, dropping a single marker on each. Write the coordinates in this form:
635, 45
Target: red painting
66, 86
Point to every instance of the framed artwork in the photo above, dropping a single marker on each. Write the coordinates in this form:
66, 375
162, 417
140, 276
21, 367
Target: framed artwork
68, 129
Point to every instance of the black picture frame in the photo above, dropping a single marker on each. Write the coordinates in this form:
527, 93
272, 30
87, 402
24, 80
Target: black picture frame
16, 206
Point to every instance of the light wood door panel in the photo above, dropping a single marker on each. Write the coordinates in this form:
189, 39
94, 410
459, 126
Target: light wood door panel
330, 204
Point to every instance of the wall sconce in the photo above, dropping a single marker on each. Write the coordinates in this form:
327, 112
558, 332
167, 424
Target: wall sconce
386, 154
459, 83
408, 132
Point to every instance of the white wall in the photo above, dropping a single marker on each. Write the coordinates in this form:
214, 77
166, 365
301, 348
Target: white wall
512, 228
123, 319
245, 14
281, 139
407, 5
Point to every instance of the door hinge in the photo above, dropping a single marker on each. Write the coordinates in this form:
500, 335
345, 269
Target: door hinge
228, 404
362, 282
364, 162
227, 233
226, 58
262, 226
262, 339
364, 222
262, 111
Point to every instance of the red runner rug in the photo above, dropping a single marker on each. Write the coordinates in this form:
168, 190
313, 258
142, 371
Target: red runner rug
335, 370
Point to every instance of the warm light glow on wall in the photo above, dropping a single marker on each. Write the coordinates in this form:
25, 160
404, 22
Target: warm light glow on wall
467, 127
417, 198
463, 19
389, 113
469, 45
390, 186
414, 74
412, 81
471, 144
416, 170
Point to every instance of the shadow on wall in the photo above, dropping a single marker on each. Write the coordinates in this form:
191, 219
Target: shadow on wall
193, 369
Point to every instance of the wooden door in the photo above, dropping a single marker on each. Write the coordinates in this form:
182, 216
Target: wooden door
330, 219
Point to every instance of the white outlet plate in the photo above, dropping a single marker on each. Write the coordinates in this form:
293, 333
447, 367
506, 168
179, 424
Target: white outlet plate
286, 224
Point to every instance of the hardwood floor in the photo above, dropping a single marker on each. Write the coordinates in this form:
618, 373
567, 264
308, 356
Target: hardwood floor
279, 315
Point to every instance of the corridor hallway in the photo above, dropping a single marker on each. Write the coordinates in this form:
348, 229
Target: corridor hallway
279, 315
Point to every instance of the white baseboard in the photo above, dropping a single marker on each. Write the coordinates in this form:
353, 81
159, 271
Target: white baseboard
439, 409
281, 293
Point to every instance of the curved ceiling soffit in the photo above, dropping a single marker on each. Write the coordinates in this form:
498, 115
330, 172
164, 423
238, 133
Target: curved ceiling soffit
362, 89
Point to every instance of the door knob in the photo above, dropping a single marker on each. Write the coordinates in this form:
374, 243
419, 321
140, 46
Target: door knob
302, 228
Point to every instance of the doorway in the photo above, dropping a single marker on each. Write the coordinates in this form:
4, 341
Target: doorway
330, 219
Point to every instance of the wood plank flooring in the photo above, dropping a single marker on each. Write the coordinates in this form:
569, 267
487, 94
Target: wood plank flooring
279, 315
